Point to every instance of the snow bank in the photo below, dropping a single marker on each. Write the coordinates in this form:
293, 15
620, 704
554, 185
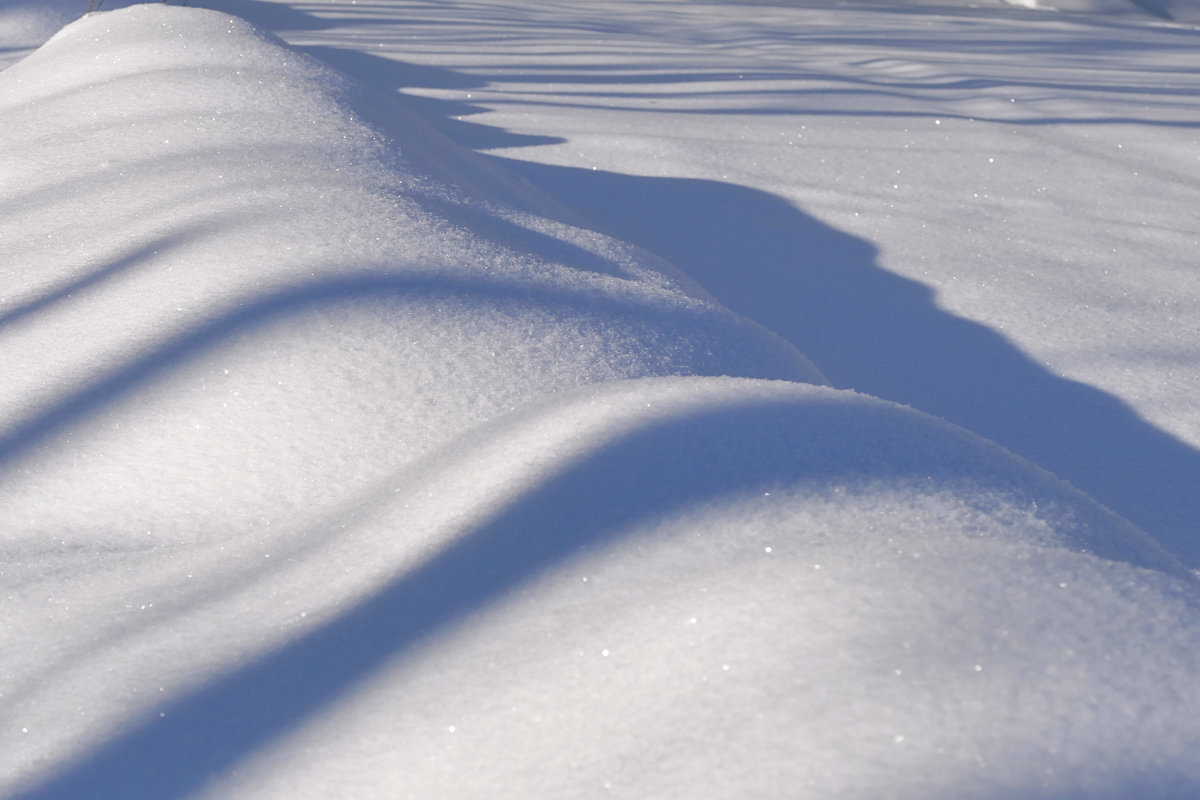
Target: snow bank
256, 299
325, 472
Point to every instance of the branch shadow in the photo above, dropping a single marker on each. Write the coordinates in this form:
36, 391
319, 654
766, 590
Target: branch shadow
390, 75
367, 286
625, 88
52, 297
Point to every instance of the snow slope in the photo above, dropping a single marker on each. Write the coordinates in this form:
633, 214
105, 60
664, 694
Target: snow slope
984, 213
337, 460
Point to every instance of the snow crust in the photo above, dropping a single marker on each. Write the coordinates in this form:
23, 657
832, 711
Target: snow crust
336, 460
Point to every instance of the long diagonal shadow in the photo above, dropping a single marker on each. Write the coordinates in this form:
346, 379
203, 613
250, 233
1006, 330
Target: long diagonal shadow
761, 442
374, 287
879, 333
864, 327
158, 248
817, 287
200, 735
221, 724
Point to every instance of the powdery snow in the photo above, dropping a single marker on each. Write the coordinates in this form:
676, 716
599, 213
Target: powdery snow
986, 214
339, 460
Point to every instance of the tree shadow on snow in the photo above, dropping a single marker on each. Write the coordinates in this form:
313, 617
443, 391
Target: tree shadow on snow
390, 75
815, 286
866, 328
200, 736
52, 418
876, 332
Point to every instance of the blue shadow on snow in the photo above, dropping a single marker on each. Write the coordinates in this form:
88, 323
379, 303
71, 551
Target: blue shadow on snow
879, 333
199, 736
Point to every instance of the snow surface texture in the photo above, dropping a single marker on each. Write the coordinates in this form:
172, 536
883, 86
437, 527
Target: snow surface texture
336, 460
986, 214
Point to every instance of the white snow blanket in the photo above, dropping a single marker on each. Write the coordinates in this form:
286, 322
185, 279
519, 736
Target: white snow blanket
338, 461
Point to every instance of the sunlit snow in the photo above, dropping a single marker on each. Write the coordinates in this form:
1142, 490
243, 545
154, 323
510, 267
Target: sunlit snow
639, 399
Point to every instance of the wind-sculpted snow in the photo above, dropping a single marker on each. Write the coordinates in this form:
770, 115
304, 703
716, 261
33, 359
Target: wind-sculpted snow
233, 287
337, 462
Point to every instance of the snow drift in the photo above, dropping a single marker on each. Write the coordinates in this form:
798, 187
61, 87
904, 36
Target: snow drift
335, 461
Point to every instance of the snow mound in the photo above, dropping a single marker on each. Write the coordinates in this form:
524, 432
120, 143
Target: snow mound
235, 289
334, 461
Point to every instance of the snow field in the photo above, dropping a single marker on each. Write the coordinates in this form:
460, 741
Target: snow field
984, 213
335, 460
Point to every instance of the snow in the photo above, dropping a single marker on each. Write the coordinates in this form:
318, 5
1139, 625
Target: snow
649, 399
899, 180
